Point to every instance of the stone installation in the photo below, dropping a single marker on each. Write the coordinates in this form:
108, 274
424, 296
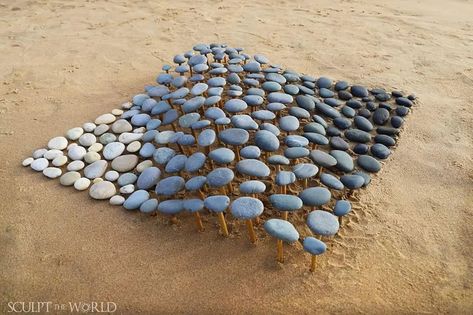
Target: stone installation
235, 138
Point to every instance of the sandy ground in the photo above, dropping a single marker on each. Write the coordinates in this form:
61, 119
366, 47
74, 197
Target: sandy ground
407, 250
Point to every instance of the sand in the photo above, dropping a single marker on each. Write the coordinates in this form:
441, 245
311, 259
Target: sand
406, 250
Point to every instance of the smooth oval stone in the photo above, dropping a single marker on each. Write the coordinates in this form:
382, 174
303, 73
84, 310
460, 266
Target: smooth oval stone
396, 121
326, 93
163, 155
214, 113
404, 101
176, 164
285, 202
39, 153
271, 86
148, 206
315, 196
69, 178
363, 123
305, 102
315, 127
305, 170
246, 208
322, 158
135, 200
296, 152
250, 152
170, 185
263, 115
195, 162
261, 59
199, 88
266, 141
27, 161
112, 176
358, 135
252, 187
291, 89
87, 139
220, 177
193, 104
342, 123
331, 181
352, 181
195, 183
217, 203
385, 139
289, 123
222, 155
368, 163
402, 111
390, 131
223, 121
324, 82
214, 91
193, 205
140, 119
52, 154
344, 160
206, 137
380, 151
361, 148
359, 91
126, 179
102, 190
113, 150
235, 105
125, 163
81, 183
299, 112
147, 150
91, 157
52, 172
58, 143
149, 178
316, 138
128, 137
212, 100
74, 133
234, 136
253, 100
216, 82
342, 207
244, 122
341, 85
76, 152
252, 167
171, 207
365, 176
185, 121
275, 107
339, 144
322, 223
39, 164
285, 178
271, 128
314, 246
282, 230
380, 116
348, 112
278, 97
106, 138
327, 110
96, 169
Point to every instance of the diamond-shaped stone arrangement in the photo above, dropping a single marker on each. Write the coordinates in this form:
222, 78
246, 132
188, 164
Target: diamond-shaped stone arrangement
234, 137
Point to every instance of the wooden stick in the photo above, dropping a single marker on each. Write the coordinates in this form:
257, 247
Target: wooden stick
312, 263
251, 231
198, 220
305, 183
284, 215
223, 224
237, 151
280, 251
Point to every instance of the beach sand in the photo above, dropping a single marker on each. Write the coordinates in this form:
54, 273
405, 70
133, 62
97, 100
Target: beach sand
407, 249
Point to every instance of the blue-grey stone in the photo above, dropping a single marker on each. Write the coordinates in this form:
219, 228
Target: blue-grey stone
218, 203
195, 162
244, 122
234, 136
326, 93
261, 59
170, 185
222, 121
136, 199
176, 164
171, 207
250, 82
139, 99
380, 151
315, 127
252, 187
215, 91
222, 155
331, 181
348, 112
212, 100
296, 152
148, 104
276, 77
186, 140
220, 177
263, 115
193, 205
284, 178
305, 170
322, 223
342, 207
235, 105
314, 246
339, 144
193, 104
206, 137
285, 202
363, 123
282, 230
201, 124
404, 102
359, 91
185, 121
385, 139
126, 179
179, 81
342, 123
365, 176
299, 112
158, 91
275, 107
149, 206
252, 167
352, 181
360, 148
140, 119
214, 113
278, 160
291, 89
289, 123
278, 97
153, 124
217, 82
271, 86
305, 102
148, 178
160, 108
368, 163
327, 110
250, 152
358, 135
271, 128
147, 150
296, 141
344, 160
195, 183
170, 116
396, 121
380, 116
324, 83
316, 138
253, 100
246, 208
315, 196
266, 141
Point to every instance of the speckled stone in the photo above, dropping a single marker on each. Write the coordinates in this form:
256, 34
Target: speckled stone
315, 196
282, 230
246, 208
322, 223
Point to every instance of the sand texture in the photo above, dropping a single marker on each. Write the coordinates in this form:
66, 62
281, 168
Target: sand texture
406, 249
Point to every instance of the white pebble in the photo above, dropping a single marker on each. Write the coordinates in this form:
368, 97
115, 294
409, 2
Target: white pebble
101, 129
140, 130
144, 165
134, 146
39, 164
127, 189
127, 105
52, 172
105, 119
69, 178
112, 176
91, 157
58, 143
117, 200
128, 137
60, 160
97, 180
89, 127
74, 133
87, 139
77, 153
117, 111
52, 154
82, 183
96, 147
27, 161
73, 144
39, 153
75, 166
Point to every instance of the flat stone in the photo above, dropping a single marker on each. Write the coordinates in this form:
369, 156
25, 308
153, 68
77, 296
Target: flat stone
296, 152
75, 166
162, 155
344, 160
380, 116
278, 97
284, 178
357, 135
113, 150
378, 150
206, 137
289, 123
128, 137
91, 157
74, 133
359, 91
305, 170
266, 141
218, 203
127, 179
246, 208
235, 105
102, 190
82, 183
327, 110
52, 172
222, 155
176, 164
252, 187
244, 122
220, 177
60, 160
171, 207
112, 176
342, 207
58, 143
352, 181
149, 206
282, 230
322, 223
96, 169
135, 200
195, 183
125, 163
331, 181
234, 136
315, 196
193, 205
285, 202
252, 167
149, 178
316, 138
368, 163
52, 154
385, 139
170, 185
314, 246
